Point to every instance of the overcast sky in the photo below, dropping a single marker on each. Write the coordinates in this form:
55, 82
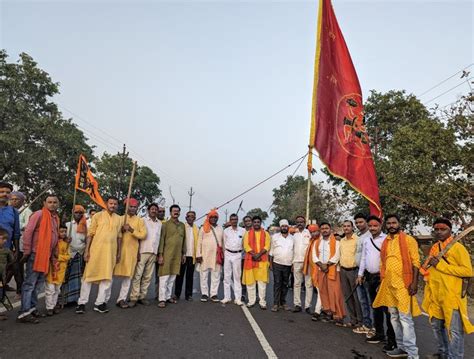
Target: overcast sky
217, 95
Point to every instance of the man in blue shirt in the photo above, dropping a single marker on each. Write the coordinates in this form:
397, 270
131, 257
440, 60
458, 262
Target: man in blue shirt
9, 219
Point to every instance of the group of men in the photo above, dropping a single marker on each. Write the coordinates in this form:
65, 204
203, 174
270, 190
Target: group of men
365, 281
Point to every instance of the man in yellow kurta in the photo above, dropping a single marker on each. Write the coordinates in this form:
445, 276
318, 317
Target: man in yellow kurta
399, 266
133, 231
443, 298
256, 264
101, 254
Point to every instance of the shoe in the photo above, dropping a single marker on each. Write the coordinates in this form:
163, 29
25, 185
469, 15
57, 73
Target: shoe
308, 311
204, 298
286, 307
274, 308
361, 330
263, 307
375, 339
28, 319
225, 301
238, 302
397, 353
122, 304
189, 299
389, 347
370, 334
132, 304
80, 309
315, 317
49, 312
215, 299
37, 314
250, 305
296, 309
102, 308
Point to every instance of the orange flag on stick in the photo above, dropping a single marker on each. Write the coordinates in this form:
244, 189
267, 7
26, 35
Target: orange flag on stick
86, 182
337, 121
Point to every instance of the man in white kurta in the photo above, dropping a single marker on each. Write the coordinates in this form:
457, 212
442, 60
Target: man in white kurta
233, 248
210, 238
302, 238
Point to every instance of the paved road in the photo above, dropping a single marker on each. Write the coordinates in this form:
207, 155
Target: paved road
190, 329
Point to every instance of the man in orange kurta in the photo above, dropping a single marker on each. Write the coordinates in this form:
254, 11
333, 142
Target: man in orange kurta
310, 268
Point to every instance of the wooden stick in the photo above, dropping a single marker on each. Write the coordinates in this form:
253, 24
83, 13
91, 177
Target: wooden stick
72, 211
34, 200
132, 177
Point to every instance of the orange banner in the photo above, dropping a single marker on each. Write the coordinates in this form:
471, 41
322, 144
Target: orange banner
86, 182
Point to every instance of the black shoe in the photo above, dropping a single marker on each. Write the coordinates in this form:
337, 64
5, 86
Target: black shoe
389, 347
204, 298
37, 314
215, 299
307, 310
189, 299
101, 308
296, 309
375, 340
315, 317
80, 309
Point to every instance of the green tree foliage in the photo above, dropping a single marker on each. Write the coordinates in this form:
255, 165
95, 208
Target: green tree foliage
258, 212
113, 173
424, 161
289, 201
40, 148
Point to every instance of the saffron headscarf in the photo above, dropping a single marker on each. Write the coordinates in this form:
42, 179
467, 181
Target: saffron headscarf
82, 225
207, 225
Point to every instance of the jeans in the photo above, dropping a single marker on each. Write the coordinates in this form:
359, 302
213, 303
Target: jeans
453, 349
33, 284
281, 277
364, 300
404, 328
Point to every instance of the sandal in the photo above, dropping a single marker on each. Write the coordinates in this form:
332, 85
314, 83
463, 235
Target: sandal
123, 304
161, 304
172, 301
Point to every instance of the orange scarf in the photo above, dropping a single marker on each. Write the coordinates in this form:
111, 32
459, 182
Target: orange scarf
249, 263
406, 261
309, 267
43, 247
332, 252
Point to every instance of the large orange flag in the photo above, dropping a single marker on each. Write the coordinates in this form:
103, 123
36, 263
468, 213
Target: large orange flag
337, 121
86, 182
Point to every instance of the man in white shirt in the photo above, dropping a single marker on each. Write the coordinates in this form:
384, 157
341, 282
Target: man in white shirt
147, 259
281, 259
233, 248
187, 268
369, 276
302, 238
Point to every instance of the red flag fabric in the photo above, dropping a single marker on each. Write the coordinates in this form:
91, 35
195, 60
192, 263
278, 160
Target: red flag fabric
337, 123
86, 182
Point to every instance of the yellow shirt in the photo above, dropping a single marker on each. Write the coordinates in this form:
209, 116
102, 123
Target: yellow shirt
392, 291
443, 288
260, 273
347, 247
63, 259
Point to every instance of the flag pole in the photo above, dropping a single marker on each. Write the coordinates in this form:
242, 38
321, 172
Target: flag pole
129, 191
308, 189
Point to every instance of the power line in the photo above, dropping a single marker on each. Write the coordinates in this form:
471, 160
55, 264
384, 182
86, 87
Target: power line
445, 92
445, 80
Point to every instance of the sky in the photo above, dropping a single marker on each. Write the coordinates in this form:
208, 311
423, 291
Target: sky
217, 95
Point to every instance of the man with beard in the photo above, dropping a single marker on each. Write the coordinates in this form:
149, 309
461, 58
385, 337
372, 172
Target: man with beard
301, 238
399, 265
247, 221
281, 259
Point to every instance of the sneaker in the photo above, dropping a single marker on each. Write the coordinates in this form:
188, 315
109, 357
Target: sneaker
238, 302
274, 308
145, 302
215, 299
361, 330
225, 301
371, 333
397, 353
297, 309
375, 339
389, 347
204, 298
80, 309
102, 308
28, 319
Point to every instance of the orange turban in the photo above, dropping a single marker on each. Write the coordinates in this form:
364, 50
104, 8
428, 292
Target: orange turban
207, 225
82, 225
131, 202
313, 228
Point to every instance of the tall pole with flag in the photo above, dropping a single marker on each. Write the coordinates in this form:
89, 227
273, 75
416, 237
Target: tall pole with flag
338, 130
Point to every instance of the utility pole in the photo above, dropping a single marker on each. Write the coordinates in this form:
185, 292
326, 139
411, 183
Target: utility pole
123, 156
226, 211
191, 194
172, 197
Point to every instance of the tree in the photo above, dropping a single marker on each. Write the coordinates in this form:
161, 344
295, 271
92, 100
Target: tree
424, 161
289, 201
40, 147
258, 212
113, 173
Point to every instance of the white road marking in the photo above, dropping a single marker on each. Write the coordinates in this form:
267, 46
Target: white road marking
18, 303
259, 334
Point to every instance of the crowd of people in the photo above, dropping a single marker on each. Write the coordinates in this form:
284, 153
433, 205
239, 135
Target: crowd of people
364, 279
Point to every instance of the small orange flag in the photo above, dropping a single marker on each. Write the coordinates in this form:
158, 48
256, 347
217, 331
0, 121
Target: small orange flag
86, 182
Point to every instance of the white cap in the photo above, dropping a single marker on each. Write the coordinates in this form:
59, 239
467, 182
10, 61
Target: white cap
284, 222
